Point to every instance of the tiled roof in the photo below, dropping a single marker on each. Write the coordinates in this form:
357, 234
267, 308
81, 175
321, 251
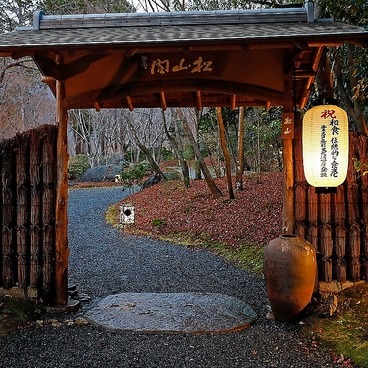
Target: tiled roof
172, 34
264, 25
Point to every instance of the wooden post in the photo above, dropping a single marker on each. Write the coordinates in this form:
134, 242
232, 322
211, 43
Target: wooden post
288, 158
61, 211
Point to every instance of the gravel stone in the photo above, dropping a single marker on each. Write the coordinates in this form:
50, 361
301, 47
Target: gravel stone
104, 261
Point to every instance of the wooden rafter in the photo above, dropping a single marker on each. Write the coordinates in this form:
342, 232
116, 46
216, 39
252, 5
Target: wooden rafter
163, 101
199, 101
233, 102
129, 102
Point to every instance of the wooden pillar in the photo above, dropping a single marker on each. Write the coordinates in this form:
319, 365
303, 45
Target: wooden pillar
61, 211
287, 134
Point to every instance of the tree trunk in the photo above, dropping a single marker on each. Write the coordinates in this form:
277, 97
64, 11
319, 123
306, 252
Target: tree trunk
225, 151
240, 158
178, 152
207, 175
147, 152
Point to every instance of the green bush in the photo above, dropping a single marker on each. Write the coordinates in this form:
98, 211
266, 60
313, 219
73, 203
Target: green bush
134, 175
77, 165
166, 154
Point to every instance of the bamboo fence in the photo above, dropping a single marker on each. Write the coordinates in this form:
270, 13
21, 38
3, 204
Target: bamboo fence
336, 223
27, 211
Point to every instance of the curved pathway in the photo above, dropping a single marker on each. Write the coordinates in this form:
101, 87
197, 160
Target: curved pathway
103, 261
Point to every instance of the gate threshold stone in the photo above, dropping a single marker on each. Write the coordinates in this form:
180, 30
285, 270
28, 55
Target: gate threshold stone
172, 312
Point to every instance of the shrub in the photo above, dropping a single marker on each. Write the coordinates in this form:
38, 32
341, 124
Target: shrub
134, 175
77, 165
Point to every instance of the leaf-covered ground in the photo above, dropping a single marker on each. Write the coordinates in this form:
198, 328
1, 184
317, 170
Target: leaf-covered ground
253, 217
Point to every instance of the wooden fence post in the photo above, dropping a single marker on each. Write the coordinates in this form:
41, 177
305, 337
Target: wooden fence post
61, 228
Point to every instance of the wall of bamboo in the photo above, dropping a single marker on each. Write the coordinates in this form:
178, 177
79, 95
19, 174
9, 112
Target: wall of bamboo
336, 224
27, 211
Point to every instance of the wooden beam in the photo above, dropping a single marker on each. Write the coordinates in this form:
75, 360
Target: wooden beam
61, 210
267, 105
163, 101
129, 102
301, 74
116, 94
305, 93
291, 59
306, 89
97, 106
49, 80
326, 43
199, 101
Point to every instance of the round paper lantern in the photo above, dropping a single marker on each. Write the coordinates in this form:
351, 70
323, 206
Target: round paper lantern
325, 146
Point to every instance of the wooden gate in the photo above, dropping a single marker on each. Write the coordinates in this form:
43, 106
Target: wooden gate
336, 224
27, 211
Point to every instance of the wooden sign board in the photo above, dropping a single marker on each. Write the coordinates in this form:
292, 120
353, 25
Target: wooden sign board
287, 125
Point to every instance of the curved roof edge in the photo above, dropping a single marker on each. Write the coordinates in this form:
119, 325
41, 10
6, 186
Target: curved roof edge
258, 16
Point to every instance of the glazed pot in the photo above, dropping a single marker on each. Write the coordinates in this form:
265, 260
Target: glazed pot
289, 267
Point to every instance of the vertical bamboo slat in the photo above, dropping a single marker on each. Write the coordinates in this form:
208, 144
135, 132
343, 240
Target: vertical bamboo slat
22, 141
7, 178
1, 211
35, 208
339, 216
48, 215
363, 156
312, 236
313, 217
353, 246
326, 245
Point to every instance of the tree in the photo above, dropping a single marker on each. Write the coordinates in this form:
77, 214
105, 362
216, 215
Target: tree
85, 6
207, 175
225, 152
20, 84
147, 132
349, 63
240, 158
176, 143
15, 13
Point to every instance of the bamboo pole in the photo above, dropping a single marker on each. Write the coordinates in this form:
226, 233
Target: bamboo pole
363, 155
61, 237
48, 213
326, 245
22, 144
313, 228
1, 211
35, 208
7, 178
353, 246
340, 233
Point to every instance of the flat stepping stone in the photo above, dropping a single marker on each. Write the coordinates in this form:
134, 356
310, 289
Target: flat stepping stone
172, 312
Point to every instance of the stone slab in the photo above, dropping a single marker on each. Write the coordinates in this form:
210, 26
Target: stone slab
172, 312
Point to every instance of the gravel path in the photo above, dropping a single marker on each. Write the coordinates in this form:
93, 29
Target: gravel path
103, 261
